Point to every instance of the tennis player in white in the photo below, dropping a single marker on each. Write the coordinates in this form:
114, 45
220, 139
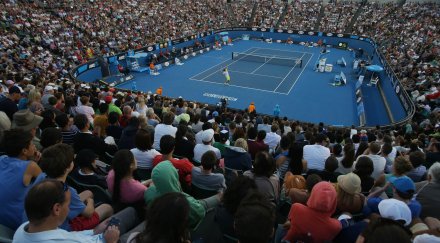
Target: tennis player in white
226, 73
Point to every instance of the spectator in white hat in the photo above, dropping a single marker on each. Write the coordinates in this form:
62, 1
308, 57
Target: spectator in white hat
206, 145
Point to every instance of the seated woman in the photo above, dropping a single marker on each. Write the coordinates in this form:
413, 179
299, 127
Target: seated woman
167, 220
350, 198
144, 154
124, 188
263, 175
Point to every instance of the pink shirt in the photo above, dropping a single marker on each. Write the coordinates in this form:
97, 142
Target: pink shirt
131, 190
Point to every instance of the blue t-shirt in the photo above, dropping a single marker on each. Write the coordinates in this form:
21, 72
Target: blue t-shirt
76, 207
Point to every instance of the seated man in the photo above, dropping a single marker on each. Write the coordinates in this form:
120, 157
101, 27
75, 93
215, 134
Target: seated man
203, 177
123, 70
46, 213
57, 162
183, 166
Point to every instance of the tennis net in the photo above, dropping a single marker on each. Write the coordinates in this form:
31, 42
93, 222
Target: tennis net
291, 62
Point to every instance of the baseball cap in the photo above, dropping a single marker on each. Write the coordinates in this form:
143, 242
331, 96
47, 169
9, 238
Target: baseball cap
224, 135
403, 184
14, 90
108, 99
207, 135
395, 210
48, 88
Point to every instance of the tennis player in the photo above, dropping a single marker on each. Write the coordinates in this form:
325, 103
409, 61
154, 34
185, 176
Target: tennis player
226, 73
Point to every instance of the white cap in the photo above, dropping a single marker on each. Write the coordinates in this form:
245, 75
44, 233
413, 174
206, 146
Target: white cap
48, 88
207, 135
395, 210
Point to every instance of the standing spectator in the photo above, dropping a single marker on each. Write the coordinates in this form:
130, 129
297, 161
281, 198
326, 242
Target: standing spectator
17, 174
316, 154
164, 128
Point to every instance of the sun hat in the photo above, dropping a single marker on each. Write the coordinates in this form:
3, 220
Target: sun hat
350, 183
26, 120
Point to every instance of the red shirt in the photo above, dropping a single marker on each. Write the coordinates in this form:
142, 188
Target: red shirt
183, 166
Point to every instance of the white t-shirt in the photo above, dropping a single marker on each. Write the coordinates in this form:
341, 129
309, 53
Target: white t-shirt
200, 149
315, 155
144, 159
86, 110
379, 163
272, 140
161, 130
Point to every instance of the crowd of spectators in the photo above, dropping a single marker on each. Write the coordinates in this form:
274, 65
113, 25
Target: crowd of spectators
180, 159
337, 16
301, 15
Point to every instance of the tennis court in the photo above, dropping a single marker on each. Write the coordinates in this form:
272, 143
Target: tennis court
264, 69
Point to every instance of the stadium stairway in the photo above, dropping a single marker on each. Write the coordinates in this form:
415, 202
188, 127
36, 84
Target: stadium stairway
321, 14
254, 10
231, 18
283, 15
355, 17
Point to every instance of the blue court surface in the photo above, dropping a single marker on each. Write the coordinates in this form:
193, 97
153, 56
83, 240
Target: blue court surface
301, 93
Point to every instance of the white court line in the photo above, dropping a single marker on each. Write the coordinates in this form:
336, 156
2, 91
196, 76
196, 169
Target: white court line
227, 59
228, 64
283, 50
300, 74
261, 65
289, 73
269, 91
233, 71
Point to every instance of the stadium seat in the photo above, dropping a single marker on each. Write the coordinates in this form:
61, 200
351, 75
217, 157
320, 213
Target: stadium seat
200, 193
100, 195
6, 234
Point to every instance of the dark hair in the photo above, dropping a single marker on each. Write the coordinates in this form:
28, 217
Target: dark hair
209, 160
364, 167
252, 133
402, 165
319, 138
103, 108
285, 142
50, 136
48, 119
168, 118
261, 135
374, 147
167, 220
387, 148
311, 181
167, 144
296, 157
52, 100
264, 164
237, 190
62, 120
348, 159
181, 132
121, 164
337, 149
113, 117
361, 149
142, 140
386, 230
254, 219
331, 163
56, 159
356, 138
274, 128
417, 158
239, 133
85, 158
41, 198
80, 121
15, 140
